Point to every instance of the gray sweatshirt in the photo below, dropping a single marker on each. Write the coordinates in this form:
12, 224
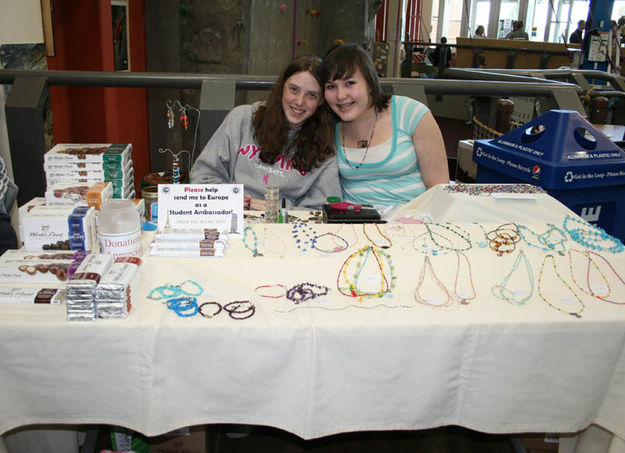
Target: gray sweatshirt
231, 157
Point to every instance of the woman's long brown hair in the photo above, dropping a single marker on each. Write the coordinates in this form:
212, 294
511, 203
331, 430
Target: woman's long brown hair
313, 142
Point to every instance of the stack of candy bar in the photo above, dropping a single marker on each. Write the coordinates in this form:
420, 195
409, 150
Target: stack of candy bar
81, 289
189, 243
71, 169
118, 287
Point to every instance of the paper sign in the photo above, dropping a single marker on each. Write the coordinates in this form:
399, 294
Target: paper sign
197, 206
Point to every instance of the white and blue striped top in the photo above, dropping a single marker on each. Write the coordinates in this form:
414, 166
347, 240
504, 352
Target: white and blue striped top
396, 179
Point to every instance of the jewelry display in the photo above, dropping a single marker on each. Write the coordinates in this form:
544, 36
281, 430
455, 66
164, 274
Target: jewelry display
252, 247
183, 111
186, 288
185, 306
464, 296
577, 313
427, 265
281, 291
382, 277
201, 309
513, 296
590, 289
240, 309
303, 292
591, 236
551, 240
385, 237
504, 238
360, 144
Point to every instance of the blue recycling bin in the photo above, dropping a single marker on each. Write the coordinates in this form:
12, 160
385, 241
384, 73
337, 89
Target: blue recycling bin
568, 157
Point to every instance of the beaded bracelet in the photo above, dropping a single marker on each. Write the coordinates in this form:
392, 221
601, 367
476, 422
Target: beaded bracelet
185, 307
282, 289
306, 291
168, 291
240, 307
201, 309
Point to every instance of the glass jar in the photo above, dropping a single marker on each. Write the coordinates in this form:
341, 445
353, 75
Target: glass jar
119, 228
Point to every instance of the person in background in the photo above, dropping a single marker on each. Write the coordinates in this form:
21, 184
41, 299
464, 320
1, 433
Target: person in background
441, 51
577, 36
518, 31
389, 148
480, 32
285, 142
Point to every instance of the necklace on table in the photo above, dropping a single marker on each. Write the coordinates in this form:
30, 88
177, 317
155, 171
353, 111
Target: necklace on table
360, 144
594, 289
252, 247
442, 230
464, 295
280, 249
364, 231
513, 296
383, 275
551, 240
426, 248
431, 302
504, 238
578, 312
303, 235
339, 244
591, 236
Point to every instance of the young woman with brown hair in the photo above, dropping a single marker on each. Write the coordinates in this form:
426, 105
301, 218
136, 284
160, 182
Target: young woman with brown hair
286, 141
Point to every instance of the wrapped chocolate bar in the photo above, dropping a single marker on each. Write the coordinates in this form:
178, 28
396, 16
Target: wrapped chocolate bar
118, 288
81, 289
31, 295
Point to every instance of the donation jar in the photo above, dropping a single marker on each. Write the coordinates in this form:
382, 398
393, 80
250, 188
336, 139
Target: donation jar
119, 228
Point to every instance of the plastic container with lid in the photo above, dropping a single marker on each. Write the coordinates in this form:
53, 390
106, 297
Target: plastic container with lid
119, 228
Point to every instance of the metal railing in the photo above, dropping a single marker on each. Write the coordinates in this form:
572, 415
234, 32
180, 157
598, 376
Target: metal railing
26, 100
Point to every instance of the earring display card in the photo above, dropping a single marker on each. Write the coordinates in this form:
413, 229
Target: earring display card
367, 214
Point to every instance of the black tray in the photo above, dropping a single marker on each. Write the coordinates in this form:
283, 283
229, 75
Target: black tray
366, 215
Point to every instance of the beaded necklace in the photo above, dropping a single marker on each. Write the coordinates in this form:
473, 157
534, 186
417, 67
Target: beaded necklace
253, 248
512, 296
551, 240
364, 231
340, 243
591, 236
303, 292
442, 231
590, 289
383, 267
351, 242
482, 244
427, 248
280, 250
427, 265
578, 313
360, 143
463, 295
303, 235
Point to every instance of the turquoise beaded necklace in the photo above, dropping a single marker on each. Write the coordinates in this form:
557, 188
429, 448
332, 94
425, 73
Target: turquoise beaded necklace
253, 248
502, 291
591, 236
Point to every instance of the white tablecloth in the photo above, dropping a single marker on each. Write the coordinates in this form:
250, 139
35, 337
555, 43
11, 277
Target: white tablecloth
332, 365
